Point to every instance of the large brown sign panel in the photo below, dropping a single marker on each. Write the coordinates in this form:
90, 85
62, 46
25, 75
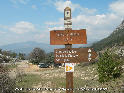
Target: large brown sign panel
74, 55
61, 37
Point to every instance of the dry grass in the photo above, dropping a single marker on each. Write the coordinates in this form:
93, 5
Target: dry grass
55, 78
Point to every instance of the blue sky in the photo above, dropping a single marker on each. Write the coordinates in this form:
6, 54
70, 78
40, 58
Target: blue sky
31, 20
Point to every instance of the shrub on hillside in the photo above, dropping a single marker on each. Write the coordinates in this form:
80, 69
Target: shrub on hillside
108, 67
4, 59
7, 85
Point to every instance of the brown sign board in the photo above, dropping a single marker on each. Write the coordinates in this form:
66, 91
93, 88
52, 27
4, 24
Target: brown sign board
74, 55
62, 37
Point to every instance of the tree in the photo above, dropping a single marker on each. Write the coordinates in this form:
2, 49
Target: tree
50, 58
37, 55
21, 56
108, 67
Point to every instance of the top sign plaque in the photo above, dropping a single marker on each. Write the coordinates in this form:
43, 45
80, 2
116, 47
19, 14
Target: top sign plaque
62, 37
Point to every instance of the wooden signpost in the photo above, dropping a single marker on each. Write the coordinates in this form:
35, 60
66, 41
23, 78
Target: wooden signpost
69, 55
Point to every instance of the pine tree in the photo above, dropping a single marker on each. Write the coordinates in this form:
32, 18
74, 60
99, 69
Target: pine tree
108, 67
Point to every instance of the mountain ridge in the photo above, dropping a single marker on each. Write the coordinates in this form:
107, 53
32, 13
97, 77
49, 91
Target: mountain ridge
116, 38
27, 47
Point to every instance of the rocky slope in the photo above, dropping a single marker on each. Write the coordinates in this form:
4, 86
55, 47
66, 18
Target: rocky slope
116, 38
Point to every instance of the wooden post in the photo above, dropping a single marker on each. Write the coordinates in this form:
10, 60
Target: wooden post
69, 82
69, 76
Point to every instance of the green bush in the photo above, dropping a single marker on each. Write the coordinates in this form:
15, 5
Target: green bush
108, 67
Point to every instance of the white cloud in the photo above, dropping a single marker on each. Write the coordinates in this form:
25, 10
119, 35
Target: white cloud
86, 10
55, 25
22, 27
118, 7
56, 28
96, 20
98, 26
60, 6
23, 31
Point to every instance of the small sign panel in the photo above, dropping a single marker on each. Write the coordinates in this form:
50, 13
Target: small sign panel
69, 67
62, 37
74, 55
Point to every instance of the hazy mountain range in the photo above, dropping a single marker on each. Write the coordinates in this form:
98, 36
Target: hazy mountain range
27, 47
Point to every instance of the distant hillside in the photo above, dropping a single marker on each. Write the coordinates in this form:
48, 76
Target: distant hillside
115, 39
27, 47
